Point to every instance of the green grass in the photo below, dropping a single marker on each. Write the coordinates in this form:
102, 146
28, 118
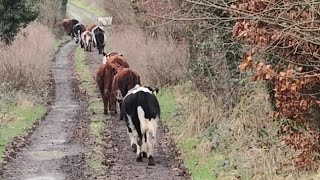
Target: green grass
18, 119
59, 42
199, 163
83, 4
97, 120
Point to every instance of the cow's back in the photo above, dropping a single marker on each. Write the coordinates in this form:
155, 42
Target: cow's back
118, 59
146, 100
125, 80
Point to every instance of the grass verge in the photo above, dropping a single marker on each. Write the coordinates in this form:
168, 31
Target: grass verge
18, 113
85, 5
199, 164
213, 145
97, 122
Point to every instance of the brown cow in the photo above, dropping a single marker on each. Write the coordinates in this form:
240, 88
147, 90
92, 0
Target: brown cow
115, 58
104, 78
68, 25
90, 27
123, 81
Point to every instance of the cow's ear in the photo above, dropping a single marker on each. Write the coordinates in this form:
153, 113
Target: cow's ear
104, 54
155, 91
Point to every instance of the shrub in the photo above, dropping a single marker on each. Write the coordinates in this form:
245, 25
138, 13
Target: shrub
159, 62
25, 64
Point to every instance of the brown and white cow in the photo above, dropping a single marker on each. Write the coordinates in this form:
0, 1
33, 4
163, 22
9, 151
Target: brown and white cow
123, 81
86, 38
90, 27
114, 57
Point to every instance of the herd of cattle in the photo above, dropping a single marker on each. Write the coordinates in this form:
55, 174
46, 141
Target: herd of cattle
87, 36
117, 82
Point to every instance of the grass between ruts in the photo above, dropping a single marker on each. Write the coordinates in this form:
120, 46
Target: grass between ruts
85, 5
199, 164
58, 42
97, 121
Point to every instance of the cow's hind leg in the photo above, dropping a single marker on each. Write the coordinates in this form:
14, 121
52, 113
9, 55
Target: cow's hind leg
106, 98
133, 140
151, 139
132, 132
144, 146
139, 153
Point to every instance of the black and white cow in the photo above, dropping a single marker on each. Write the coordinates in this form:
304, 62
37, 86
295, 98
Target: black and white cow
141, 111
99, 38
78, 29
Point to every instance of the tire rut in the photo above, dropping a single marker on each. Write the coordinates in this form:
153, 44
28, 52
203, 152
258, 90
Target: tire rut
51, 152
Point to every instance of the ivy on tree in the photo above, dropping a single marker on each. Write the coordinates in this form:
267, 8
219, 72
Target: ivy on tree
14, 15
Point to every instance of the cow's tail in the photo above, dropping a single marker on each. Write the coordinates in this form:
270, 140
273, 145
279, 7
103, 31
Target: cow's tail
94, 37
115, 85
135, 78
105, 38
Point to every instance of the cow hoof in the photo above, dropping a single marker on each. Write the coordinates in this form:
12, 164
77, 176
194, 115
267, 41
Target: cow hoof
134, 148
105, 112
112, 113
139, 158
151, 161
144, 154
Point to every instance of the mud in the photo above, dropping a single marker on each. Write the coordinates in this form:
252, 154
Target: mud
52, 151
119, 158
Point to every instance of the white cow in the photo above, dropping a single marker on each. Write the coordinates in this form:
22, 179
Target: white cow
104, 21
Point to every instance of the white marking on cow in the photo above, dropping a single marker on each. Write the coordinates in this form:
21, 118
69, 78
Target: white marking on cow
134, 134
78, 36
138, 88
104, 60
148, 127
119, 95
93, 35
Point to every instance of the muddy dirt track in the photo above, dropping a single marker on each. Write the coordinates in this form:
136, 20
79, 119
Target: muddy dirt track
53, 151
120, 159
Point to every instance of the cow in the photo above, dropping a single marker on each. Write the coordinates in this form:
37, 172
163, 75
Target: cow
115, 58
86, 38
104, 78
78, 29
123, 81
68, 25
99, 38
104, 21
90, 27
141, 111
